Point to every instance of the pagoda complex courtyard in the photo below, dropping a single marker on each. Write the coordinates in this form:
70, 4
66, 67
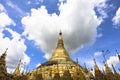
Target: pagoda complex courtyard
59, 67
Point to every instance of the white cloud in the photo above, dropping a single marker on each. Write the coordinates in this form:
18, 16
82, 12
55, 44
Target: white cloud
16, 49
116, 18
77, 20
2, 9
101, 8
113, 60
96, 54
16, 46
62, 0
5, 20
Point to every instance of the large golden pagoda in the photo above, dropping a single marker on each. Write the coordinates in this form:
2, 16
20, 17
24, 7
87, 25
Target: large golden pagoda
59, 63
59, 67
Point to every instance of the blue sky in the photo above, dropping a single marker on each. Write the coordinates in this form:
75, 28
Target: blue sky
29, 29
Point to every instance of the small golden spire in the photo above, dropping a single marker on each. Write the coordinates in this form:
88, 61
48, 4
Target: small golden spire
114, 69
109, 73
96, 66
77, 60
17, 70
94, 61
107, 69
60, 32
3, 66
60, 41
5, 51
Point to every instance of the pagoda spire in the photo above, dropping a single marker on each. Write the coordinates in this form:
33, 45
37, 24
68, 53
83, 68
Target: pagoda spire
17, 70
60, 43
114, 69
109, 74
3, 61
98, 73
96, 66
60, 53
116, 75
118, 55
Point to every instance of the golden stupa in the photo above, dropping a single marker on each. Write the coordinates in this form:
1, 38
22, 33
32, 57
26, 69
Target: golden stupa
59, 62
59, 67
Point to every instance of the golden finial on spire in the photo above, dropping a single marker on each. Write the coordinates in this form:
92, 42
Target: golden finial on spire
60, 32
114, 68
6, 50
77, 60
94, 61
17, 70
60, 41
60, 50
95, 66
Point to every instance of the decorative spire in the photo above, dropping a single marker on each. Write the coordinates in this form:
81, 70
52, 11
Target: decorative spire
118, 54
60, 32
6, 50
116, 75
3, 61
96, 66
86, 69
98, 73
60, 53
109, 74
77, 60
4, 54
108, 70
114, 69
17, 70
60, 41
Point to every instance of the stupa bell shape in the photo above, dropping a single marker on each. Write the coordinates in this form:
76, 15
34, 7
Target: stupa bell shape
60, 53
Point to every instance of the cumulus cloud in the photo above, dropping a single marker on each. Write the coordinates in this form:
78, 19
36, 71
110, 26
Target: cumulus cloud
4, 18
113, 60
16, 49
101, 8
77, 20
116, 18
16, 46
2, 9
